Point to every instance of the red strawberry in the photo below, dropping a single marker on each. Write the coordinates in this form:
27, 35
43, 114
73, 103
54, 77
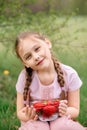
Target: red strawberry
50, 103
56, 103
39, 106
49, 110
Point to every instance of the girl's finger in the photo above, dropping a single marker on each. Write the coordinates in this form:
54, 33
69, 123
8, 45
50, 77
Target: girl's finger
63, 102
62, 112
33, 113
26, 110
36, 117
63, 107
29, 112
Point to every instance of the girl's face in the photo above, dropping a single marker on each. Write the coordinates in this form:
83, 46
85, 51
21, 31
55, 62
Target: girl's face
35, 53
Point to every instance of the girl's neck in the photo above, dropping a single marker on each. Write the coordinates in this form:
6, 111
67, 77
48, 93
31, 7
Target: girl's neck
47, 76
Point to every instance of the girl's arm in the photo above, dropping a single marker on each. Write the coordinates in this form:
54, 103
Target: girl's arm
24, 113
72, 105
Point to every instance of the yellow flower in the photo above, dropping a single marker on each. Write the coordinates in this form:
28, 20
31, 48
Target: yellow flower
6, 72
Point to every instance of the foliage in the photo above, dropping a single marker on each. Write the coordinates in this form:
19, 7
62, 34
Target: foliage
17, 8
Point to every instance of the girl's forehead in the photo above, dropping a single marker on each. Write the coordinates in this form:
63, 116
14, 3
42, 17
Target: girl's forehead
29, 43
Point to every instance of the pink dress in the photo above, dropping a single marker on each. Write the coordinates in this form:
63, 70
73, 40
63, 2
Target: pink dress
48, 92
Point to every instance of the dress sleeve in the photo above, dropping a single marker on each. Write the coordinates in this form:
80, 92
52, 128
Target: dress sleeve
21, 82
74, 81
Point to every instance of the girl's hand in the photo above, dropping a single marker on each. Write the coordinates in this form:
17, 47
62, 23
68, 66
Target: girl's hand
63, 107
29, 113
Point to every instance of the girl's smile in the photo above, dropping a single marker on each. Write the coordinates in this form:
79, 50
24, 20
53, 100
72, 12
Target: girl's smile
40, 62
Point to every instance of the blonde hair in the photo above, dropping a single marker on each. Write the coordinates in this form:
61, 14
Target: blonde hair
29, 71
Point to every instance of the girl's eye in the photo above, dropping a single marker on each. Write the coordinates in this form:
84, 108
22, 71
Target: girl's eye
37, 49
28, 57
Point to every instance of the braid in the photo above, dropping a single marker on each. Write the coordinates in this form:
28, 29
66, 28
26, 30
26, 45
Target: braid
28, 82
60, 77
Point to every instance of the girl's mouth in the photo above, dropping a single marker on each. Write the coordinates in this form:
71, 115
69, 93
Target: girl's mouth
40, 62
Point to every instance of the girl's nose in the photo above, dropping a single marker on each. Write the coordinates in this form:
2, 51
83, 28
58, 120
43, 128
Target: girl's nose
36, 56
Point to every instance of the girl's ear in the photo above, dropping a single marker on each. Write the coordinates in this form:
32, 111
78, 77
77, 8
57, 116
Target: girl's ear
48, 43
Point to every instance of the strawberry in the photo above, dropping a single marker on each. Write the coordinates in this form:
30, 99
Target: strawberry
50, 103
54, 103
49, 110
39, 106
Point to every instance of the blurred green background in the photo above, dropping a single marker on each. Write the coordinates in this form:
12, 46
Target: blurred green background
64, 22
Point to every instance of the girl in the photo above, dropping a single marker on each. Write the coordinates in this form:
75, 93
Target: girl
44, 78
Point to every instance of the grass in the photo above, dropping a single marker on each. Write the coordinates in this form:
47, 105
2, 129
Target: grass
68, 36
